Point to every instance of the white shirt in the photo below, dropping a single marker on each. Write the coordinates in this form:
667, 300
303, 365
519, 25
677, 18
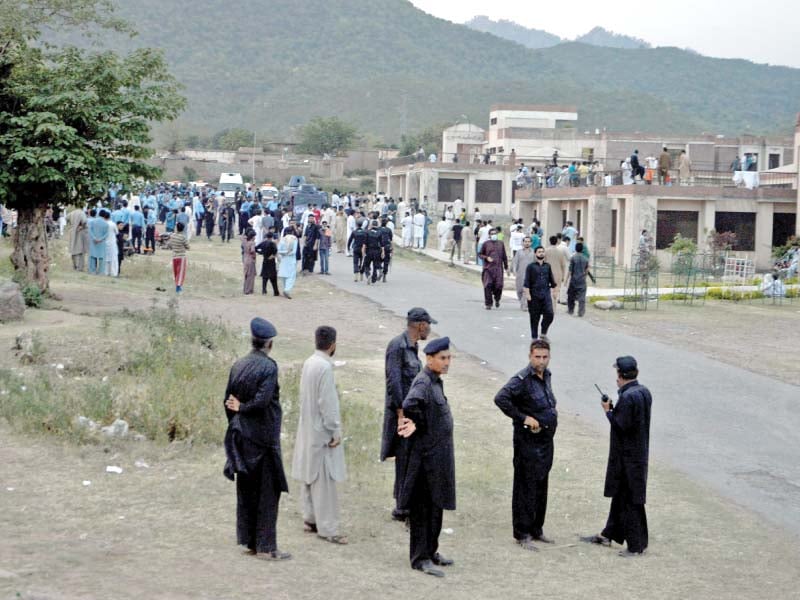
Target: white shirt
483, 234
515, 242
458, 206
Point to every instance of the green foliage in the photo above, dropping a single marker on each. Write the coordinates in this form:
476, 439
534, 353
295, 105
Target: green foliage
32, 295
728, 294
190, 174
780, 251
232, 139
430, 139
682, 245
79, 121
427, 70
327, 136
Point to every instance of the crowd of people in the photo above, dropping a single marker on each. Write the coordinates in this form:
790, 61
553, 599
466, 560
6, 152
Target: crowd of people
418, 434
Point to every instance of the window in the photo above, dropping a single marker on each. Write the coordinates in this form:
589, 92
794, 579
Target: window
493, 121
782, 227
488, 192
671, 223
613, 228
500, 150
587, 154
742, 224
450, 189
563, 219
774, 161
578, 222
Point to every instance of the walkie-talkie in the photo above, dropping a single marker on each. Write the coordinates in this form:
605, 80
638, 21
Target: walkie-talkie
603, 396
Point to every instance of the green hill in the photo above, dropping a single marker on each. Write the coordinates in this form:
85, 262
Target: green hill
389, 67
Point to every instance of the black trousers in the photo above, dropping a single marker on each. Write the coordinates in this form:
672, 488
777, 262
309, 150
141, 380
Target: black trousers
387, 258
257, 509
243, 218
425, 523
357, 260
209, 228
627, 522
576, 294
492, 290
309, 259
540, 308
372, 262
528, 500
150, 238
198, 226
273, 279
136, 239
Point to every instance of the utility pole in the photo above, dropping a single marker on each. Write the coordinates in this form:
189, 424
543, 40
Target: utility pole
254, 158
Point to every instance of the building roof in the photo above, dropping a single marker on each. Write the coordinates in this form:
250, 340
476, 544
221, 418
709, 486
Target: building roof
535, 107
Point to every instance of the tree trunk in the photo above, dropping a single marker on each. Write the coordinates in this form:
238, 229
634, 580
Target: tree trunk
31, 256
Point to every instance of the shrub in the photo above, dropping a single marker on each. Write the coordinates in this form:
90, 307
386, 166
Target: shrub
32, 295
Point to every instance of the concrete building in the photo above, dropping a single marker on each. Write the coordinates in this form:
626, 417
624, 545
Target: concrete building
487, 187
611, 219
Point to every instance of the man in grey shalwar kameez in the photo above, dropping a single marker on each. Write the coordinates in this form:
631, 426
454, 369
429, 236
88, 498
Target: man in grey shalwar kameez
78, 238
318, 460
519, 263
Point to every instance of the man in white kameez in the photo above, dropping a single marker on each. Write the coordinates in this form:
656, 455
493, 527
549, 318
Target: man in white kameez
351, 227
318, 461
419, 230
408, 230
442, 229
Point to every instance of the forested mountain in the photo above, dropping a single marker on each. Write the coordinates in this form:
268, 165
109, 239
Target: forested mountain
388, 67
602, 37
528, 37
538, 38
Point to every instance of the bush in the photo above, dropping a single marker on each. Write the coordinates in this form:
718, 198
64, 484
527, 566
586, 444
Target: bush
32, 295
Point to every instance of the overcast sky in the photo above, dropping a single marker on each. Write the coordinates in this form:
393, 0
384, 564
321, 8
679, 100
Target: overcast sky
764, 33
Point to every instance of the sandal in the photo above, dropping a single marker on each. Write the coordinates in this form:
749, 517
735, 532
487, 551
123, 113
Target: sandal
335, 539
309, 527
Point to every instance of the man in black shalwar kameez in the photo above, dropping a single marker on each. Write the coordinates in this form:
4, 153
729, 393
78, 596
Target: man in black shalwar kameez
269, 266
495, 263
252, 444
628, 455
429, 485
528, 400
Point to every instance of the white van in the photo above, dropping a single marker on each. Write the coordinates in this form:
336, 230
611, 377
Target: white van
229, 183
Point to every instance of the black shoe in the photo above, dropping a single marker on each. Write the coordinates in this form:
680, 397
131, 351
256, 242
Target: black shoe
497, 303
426, 566
440, 560
274, 555
489, 307
596, 539
399, 515
544, 539
628, 554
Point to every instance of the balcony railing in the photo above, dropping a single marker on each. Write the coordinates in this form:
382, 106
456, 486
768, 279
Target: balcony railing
741, 179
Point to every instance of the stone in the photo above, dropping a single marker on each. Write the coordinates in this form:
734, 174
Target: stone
85, 423
118, 429
12, 304
608, 304
23, 347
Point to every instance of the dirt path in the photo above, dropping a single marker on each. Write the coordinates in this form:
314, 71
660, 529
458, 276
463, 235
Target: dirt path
167, 530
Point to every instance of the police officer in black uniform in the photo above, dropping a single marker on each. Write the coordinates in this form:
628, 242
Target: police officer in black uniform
355, 245
386, 245
528, 400
253, 444
374, 253
429, 485
402, 365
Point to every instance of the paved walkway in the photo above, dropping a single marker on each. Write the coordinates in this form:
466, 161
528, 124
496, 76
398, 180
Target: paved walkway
732, 429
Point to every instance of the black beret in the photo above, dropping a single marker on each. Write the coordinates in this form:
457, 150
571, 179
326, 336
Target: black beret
261, 328
625, 364
417, 314
437, 345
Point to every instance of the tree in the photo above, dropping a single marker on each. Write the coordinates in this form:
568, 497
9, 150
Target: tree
71, 121
232, 139
327, 136
430, 139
